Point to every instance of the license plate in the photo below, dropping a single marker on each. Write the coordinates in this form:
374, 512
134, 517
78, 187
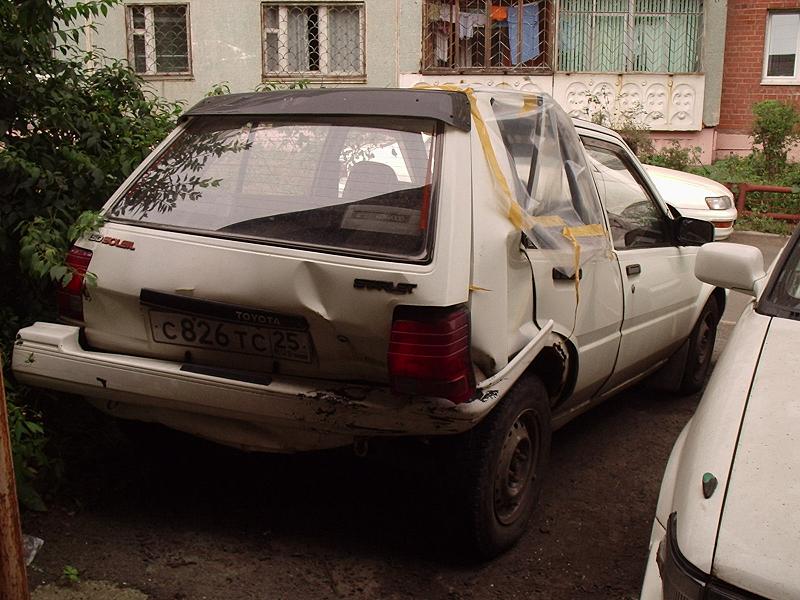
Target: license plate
202, 332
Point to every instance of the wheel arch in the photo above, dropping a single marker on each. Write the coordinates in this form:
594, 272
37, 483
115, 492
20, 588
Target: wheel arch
557, 367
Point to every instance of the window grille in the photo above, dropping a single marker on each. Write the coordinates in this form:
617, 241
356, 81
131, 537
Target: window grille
158, 39
486, 36
313, 41
654, 36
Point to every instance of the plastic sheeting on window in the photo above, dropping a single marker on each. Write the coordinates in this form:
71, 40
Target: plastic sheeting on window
540, 172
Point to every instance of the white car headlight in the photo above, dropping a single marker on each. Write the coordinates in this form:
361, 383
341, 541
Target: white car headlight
719, 202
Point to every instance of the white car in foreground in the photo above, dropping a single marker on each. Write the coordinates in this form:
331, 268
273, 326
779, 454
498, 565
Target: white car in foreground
728, 520
697, 197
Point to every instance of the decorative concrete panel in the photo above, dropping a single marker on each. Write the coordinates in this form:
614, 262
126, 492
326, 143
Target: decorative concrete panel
533, 83
659, 101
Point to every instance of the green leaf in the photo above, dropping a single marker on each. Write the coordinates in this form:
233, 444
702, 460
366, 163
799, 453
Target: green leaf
59, 273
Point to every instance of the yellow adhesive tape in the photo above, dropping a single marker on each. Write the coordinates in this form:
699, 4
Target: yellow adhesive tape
593, 230
514, 210
529, 104
548, 221
519, 218
576, 248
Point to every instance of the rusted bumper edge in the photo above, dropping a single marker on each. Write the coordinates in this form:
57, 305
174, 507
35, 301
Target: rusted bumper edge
280, 415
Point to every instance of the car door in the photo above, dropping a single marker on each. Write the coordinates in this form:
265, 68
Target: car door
658, 283
588, 313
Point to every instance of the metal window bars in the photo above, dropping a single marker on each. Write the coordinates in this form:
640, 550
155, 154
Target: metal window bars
653, 36
313, 41
158, 39
487, 36
516, 36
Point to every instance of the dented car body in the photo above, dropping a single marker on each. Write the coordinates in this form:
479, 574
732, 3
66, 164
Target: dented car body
302, 270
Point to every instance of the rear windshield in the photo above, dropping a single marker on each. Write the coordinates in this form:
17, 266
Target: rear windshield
354, 186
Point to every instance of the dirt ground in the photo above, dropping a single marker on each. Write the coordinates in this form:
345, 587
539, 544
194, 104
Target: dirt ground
178, 518
198, 521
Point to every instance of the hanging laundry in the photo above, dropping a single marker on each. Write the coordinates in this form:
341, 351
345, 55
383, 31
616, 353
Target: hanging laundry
440, 12
528, 21
467, 22
442, 47
498, 13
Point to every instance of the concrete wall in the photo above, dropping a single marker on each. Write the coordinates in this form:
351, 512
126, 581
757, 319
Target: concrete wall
226, 44
226, 47
714, 26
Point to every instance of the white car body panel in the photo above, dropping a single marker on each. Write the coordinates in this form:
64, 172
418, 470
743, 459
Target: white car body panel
660, 307
760, 525
705, 446
745, 535
711, 441
597, 332
688, 192
651, 586
494, 270
310, 286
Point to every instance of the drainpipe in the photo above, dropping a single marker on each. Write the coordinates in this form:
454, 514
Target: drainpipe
396, 43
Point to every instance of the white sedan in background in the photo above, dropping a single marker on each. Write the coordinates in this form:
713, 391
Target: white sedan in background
727, 524
696, 197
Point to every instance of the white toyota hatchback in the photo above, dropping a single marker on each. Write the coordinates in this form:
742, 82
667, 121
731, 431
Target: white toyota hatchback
311, 269
728, 518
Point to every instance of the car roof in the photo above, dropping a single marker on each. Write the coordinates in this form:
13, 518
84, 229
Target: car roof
594, 127
450, 107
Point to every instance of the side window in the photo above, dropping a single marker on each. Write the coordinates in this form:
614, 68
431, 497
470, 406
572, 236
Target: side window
636, 220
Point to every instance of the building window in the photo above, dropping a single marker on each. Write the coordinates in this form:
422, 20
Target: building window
314, 41
780, 48
619, 36
158, 39
486, 36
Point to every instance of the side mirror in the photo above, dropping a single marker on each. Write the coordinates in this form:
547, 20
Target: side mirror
676, 214
693, 232
734, 266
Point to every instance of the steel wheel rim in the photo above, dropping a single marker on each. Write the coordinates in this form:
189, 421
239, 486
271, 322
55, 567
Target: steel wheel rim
704, 340
516, 468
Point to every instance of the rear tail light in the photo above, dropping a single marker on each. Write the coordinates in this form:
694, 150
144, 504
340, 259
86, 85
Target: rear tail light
429, 353
70, 296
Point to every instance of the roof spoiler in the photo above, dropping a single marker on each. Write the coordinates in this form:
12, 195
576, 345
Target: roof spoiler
450, 107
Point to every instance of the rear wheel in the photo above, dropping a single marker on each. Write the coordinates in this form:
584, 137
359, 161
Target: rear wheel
502, 463
701, 348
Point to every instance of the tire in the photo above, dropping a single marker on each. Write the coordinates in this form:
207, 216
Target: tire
502, 463
701, 348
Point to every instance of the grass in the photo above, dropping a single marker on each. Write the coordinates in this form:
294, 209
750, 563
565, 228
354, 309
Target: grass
763, 225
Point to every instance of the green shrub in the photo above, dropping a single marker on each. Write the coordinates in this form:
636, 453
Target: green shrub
674, 156
776, 129
73, 125
629, 124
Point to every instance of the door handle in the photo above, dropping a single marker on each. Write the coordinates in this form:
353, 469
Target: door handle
559, 275
633, 269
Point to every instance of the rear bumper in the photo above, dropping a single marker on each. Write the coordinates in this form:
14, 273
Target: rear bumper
279, 415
